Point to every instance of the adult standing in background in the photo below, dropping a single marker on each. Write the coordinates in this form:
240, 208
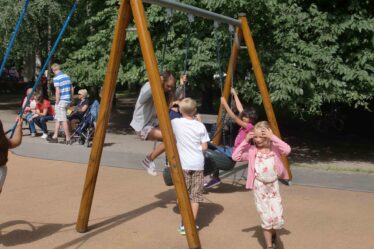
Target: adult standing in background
64, 91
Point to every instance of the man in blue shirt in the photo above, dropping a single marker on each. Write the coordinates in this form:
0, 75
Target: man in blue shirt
64, 91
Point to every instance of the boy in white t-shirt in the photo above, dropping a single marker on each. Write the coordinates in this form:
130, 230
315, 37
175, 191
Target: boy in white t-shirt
192, 137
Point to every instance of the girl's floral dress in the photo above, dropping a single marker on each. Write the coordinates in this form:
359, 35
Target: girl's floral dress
266, 191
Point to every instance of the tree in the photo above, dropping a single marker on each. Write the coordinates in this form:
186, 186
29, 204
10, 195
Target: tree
313, 52
32, 39
325, 54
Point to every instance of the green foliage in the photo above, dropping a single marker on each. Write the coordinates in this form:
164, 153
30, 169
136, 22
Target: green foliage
32, 37
323, 56
89, 45
312, 52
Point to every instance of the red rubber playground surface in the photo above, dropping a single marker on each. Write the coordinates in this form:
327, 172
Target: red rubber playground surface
40, 202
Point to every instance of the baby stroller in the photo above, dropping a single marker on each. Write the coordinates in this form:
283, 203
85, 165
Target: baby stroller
86, 128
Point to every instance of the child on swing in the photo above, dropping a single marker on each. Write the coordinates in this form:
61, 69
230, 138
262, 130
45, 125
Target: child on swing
192, 140
5, 145
263, 150
246, 119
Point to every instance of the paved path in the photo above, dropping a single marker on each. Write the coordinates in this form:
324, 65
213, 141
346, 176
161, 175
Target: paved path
126, 151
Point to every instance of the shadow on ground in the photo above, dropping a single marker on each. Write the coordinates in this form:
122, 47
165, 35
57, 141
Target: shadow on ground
165, 198
26, 232
207, 212
258, 234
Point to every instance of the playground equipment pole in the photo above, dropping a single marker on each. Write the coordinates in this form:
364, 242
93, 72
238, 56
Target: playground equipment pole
228, 82
256, 66
103, 118
165, 124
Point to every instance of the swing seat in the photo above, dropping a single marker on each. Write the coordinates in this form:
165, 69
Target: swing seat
213, 160
219, 160
167, 176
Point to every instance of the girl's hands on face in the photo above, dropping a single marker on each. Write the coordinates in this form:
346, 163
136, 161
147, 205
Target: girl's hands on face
265, 132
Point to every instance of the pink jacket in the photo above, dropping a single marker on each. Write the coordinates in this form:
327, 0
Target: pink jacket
247, 152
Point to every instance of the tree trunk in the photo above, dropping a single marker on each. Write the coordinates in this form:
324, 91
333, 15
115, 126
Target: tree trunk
29, 65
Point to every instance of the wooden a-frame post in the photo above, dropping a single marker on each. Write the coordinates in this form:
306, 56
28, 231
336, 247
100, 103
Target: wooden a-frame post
245, 32
103, 117
162, 114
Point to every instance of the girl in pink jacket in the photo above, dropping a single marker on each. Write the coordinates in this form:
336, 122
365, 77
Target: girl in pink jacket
265, 167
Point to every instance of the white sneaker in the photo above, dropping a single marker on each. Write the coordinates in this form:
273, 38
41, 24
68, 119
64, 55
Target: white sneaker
45, 135
150, 166
33, 134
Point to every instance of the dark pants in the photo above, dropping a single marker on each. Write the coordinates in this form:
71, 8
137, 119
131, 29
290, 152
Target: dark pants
42, 122
76, 115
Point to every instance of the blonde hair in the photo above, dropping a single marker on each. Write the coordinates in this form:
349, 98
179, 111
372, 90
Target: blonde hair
83, 92
187, 106
262, 124
55, 67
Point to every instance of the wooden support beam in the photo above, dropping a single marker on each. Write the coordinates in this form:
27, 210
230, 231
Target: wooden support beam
228, 82
103, 118
256, 66
165, 124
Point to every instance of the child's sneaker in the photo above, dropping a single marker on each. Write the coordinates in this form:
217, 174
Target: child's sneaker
212, 183
150, 166
181, 230
44, 136
33, 134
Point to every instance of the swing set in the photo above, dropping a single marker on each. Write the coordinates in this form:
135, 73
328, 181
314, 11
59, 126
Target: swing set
241, 31
136, 8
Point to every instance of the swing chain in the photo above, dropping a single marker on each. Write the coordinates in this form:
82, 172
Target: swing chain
218, 59
169, 15
220, 77
191, 19
231, 34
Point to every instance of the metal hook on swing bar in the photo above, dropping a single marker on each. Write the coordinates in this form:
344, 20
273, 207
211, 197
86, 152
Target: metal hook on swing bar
216, 24
169, 12
236, 40
191, 18
231, 28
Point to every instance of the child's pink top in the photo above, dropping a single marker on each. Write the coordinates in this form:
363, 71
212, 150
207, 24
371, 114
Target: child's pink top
242, 134
247, 152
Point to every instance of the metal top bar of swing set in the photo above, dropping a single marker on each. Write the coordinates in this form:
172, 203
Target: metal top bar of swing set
195, 11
